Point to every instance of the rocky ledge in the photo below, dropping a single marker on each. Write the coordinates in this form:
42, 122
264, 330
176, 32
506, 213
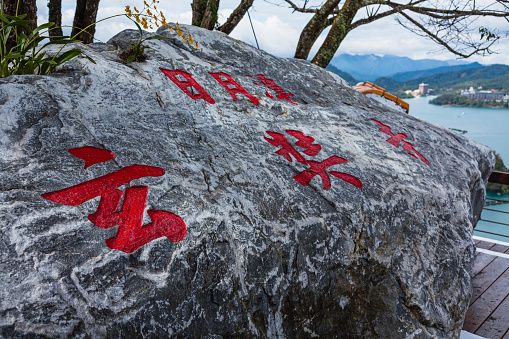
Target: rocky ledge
227, 193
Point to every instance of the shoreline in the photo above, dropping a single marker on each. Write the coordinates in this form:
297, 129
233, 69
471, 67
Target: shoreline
451, 105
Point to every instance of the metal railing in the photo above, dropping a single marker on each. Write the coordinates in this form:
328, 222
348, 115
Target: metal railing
494, 222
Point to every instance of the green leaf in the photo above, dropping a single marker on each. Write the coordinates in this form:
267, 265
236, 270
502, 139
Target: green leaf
90, 59
13, 56
43, 26
67, 55
156, 37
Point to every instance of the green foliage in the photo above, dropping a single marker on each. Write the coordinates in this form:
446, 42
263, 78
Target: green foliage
487, 33
389, 84
499, 166
460, 131
490, 77
450, 99
137, 51
25, 56
455, 99
401, 94
344, 75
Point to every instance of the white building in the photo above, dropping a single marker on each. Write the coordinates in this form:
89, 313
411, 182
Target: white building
423, 89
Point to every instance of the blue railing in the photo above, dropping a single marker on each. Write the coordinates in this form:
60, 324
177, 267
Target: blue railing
494, 222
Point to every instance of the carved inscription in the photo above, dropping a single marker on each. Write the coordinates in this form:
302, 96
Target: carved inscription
287, 150
131, 234
396, 139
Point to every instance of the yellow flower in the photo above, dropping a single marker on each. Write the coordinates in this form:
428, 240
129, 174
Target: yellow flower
144, 23
137, 17
136, 10
149, 12
127, 9
190, 38
146, 4
196, 45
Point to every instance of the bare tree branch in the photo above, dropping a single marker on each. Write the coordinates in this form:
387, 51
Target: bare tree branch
372, 18
236, 16
450, 24
442, 42
307, 10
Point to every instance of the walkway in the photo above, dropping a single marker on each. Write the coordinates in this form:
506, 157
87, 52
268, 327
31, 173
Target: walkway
488, 314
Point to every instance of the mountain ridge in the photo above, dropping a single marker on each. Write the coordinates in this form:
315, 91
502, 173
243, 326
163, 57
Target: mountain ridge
492, 76
369, 67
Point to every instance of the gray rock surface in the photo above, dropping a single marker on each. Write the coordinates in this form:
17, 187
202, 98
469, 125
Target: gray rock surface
264, 255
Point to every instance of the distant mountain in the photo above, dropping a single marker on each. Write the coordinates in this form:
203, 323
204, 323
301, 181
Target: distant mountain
406, 76
346, 76
491, 77
370, 67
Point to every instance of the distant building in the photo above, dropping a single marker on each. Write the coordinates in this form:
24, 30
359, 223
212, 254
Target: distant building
485, 95
423, 89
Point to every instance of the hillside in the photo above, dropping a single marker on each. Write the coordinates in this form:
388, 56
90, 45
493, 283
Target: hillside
493, 77
406, 76
346, 76
370, 67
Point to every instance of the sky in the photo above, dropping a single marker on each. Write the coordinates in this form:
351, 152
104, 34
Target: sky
278, 28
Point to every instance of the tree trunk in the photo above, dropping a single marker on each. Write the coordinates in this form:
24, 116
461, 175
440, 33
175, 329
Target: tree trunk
86, 13
236, 16
198, 7
339, 30
313, 29
28, 7
210, 16
55, 15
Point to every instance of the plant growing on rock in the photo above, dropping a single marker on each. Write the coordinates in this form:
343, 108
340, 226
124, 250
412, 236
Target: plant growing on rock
147, 17
21, 54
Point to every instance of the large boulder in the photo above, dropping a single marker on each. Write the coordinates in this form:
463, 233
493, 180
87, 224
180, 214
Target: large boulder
367, 236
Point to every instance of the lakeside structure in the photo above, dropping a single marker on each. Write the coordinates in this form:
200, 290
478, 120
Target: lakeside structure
423, 90
471, 93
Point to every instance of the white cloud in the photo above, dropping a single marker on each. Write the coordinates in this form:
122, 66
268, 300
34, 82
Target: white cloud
274, 36
278, 29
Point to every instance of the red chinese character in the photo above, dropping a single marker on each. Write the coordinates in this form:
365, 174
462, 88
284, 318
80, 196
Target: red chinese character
318, 168
286, 148
315, 167
235, 87
131, 234
92, 155
188, 82
305, 142
280, 93
396, 139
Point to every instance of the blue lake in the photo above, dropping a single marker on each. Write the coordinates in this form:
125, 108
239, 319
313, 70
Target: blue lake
488, 126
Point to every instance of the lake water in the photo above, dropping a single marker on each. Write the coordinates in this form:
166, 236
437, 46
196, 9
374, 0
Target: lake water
488, 126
